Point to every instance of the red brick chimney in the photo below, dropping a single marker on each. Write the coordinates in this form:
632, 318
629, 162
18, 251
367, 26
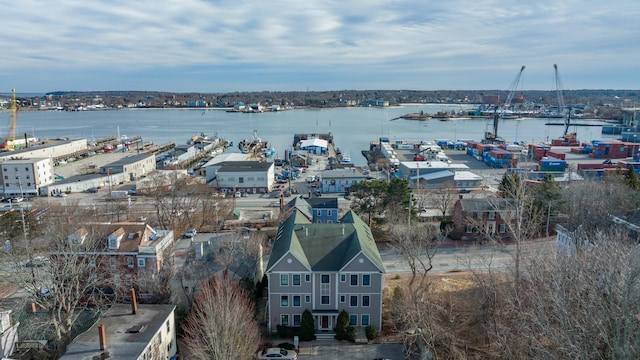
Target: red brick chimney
134, 302
102, 335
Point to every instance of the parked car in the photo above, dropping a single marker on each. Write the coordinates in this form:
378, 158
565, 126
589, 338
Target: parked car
191, 233
277, 353
91, 190
133, 192
60, 194
464, 191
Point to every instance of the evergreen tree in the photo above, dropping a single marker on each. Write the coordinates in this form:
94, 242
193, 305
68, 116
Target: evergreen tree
342, 325
631, 179
510, 185
307, 330
398, 192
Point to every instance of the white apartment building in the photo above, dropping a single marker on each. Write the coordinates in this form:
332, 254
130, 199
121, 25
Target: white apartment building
26, 176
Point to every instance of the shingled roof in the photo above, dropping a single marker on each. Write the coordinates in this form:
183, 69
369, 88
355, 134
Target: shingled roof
324, 247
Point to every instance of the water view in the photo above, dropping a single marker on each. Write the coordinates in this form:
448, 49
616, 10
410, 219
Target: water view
353, 128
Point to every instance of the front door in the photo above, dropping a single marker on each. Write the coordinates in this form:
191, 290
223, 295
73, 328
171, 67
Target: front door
324, 322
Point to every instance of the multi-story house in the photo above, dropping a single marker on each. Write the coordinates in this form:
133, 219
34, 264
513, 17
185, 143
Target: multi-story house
26, 176
483, 219
128, 332
130, 255
324, 268
317, 210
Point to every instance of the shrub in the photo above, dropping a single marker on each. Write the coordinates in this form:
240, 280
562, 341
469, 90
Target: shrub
285, 331
371, 332
350, 334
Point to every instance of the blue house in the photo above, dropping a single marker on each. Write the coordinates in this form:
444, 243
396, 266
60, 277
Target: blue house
316, 210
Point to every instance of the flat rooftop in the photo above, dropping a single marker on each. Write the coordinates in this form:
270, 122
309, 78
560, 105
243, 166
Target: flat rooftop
123, 342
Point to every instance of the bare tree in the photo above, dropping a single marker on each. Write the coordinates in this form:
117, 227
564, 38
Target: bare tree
235, 256
444, 197
581, 304
221, 323
182, 202
63, 281
415, 245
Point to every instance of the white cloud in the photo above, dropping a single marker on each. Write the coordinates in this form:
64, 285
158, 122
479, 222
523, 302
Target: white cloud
354, 40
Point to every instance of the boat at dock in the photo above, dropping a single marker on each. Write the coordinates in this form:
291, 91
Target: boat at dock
255, 147
344, 158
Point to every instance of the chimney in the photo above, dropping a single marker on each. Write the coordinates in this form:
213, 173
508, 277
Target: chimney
134, 302
33, 307
306, 231
102, 335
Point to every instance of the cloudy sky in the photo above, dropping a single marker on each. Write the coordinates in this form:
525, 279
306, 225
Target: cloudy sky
282, 45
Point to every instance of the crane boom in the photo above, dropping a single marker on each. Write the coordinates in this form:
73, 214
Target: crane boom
13, 110
498, 111
561, 106
512, 89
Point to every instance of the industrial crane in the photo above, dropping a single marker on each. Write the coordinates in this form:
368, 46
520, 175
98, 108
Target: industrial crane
11, 135
498, 112
566, 135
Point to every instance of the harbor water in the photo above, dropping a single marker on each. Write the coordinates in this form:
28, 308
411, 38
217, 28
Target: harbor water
353, 128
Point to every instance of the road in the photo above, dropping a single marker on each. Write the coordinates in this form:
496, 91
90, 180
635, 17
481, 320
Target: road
462, 258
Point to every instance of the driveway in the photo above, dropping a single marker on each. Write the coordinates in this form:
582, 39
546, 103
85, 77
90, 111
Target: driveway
320, 350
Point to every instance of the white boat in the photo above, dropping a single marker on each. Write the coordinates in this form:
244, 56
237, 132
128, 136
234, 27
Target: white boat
345, 158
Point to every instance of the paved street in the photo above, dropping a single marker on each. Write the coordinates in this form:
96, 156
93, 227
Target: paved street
332, 350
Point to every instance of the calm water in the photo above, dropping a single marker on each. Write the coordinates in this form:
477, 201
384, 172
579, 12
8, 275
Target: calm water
353, 128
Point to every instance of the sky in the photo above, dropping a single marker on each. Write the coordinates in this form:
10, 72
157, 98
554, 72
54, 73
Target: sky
317, 45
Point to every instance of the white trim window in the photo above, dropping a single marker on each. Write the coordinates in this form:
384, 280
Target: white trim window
142, 262
284, 279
